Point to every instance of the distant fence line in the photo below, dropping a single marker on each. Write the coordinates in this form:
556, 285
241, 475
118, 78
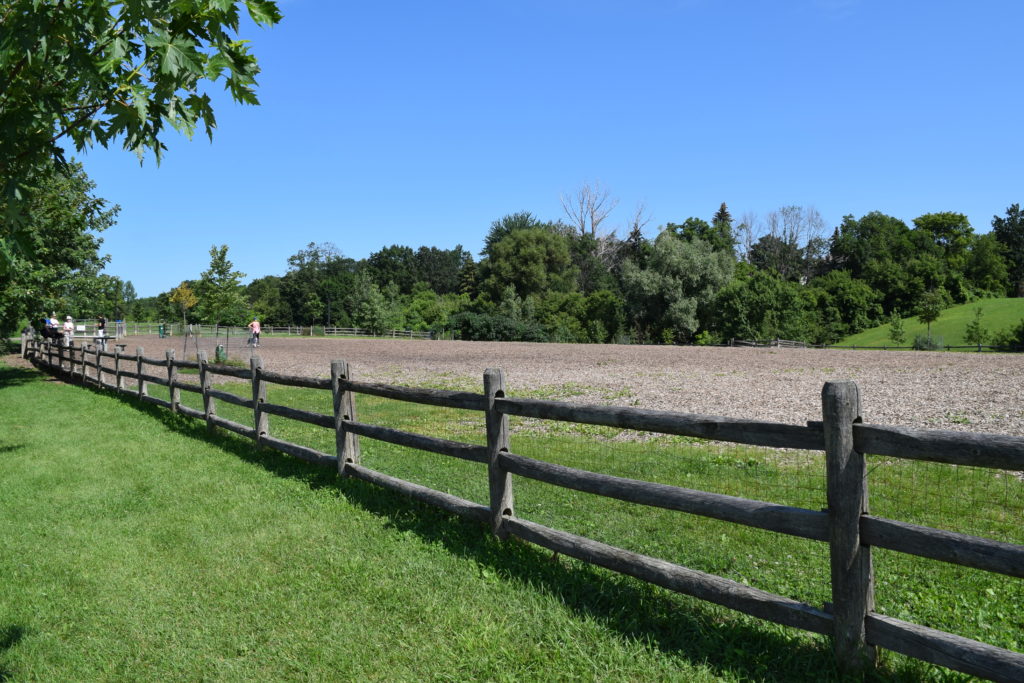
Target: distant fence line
122, 329
845, 525
795, 344
203, 330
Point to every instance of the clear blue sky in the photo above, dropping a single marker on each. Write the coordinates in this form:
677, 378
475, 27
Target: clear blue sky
421, 123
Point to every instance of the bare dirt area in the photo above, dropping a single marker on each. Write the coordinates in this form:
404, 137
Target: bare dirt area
959, 391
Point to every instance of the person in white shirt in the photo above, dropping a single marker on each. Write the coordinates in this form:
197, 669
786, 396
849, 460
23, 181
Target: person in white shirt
69, 330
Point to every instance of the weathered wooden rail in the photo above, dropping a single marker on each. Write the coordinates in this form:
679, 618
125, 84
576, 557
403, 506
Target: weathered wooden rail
846, 525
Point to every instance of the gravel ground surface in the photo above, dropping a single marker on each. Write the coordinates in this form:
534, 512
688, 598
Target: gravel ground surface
938, 390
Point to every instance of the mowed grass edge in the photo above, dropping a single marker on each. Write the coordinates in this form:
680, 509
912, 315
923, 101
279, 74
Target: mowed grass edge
139, 546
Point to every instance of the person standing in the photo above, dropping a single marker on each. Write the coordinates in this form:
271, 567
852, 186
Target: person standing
69, 330
101, 326
254, 329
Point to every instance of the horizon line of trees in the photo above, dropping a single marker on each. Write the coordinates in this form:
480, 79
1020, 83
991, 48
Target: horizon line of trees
694, 282
698, 281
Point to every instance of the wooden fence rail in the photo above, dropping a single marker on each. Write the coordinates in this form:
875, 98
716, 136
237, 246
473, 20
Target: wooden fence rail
846, 525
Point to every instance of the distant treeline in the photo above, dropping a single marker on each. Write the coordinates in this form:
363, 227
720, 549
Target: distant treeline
698, 281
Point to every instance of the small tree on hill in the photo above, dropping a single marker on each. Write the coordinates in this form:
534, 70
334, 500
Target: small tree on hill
975, 333
896, 332
930, 307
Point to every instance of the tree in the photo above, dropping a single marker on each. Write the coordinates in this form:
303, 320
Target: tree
395, 264
718, 235
94, 71
783, 241
64, 219
760, 304
532, 260
930, 307
1009, 231
844, 306
220, 291
506, 225
267, 301
975, 333
441, 268
896, 332
128, 299
986, 269
588, 207
722, 216
317, 283
681, 277
773, 253
877, 249
185, 298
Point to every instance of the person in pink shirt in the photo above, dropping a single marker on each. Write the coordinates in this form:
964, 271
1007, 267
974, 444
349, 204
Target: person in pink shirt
254, 329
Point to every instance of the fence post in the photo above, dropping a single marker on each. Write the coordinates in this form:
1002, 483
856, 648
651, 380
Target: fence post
209, 406
117, 368
260, 420
172, 377
99, 368
499, 481
346, 444
138, 369
83, 362
852, 575
24, 344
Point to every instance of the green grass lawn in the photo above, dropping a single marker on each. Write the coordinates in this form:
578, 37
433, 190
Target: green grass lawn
134, 545
997, 315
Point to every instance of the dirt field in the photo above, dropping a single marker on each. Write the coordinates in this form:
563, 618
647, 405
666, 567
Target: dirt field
961, 391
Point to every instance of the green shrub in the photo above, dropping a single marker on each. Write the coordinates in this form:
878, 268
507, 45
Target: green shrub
922, 342
1011, 338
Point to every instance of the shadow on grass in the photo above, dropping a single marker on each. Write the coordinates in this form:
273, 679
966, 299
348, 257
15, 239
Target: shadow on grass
677, 625
10, 635
12, 377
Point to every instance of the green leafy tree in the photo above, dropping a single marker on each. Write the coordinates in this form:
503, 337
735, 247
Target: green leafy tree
317, 285
896, 332
267, 302
126, 308
185, 299
1009, 231
1010, 338
372, 312
985, 267
506, 225
395, 264
604, 316
930, 307
66, 219
532, 260
681, 278
843, 306
718, 233
976, 332
761, 304
773, 253
90, 72
219, 289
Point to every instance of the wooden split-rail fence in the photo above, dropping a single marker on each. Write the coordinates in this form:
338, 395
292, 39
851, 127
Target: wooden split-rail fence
845, 525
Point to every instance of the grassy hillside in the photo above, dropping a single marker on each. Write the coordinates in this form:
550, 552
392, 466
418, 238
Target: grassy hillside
997, 315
